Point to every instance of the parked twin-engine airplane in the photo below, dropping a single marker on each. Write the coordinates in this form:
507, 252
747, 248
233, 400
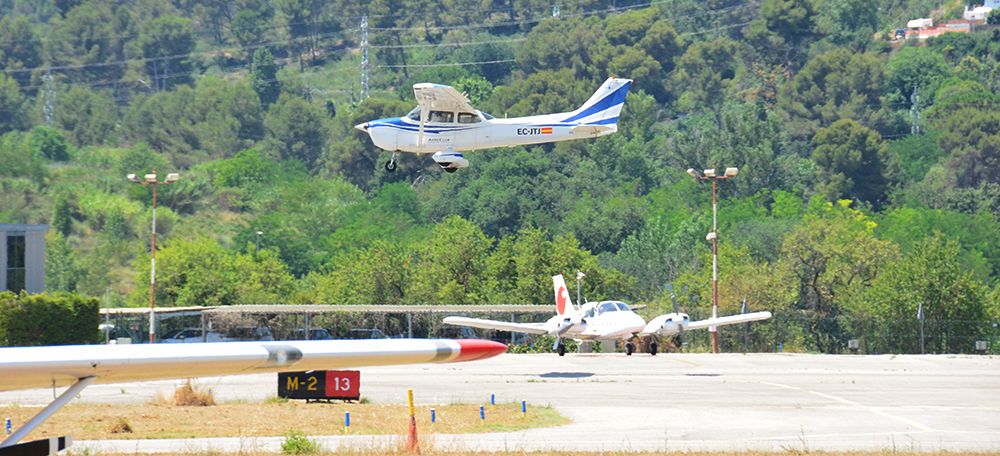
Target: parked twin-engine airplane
81, 365
445, 124
605, 320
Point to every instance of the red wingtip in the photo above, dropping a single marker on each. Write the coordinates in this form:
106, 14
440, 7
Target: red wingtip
473, 349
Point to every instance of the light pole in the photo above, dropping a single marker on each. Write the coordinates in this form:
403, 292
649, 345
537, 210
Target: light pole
258, 239
150, 179
714, 237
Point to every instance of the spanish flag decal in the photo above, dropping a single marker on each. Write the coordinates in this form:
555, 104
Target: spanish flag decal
547, 131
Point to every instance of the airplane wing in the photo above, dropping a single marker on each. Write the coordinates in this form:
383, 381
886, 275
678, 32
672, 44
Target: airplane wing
530, 328
675, 323
40, 367
729, 320
81, 365
436, 96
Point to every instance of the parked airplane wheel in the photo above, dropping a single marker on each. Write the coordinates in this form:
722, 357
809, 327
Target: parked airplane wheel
450, 170
629, 348
390, 166
652, 348
561, 350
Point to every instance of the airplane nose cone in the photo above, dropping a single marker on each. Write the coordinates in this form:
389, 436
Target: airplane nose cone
362, 126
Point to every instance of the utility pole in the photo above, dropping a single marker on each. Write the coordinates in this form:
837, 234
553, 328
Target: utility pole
714, 237
364, 57
49, 94
915, 111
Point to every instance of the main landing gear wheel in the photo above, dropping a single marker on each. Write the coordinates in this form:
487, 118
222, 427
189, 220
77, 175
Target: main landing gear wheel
390, 165
561, 350
652, 348
629, 348
450, 170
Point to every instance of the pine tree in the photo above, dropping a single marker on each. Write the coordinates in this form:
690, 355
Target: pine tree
264, 77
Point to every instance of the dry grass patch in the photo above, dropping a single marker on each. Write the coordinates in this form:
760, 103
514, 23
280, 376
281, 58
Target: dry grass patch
163, 420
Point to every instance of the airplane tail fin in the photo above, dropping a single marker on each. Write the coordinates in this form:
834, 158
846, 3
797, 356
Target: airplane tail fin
600, 113
564, 304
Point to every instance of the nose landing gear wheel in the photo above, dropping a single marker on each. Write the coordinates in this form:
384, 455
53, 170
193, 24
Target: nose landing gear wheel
561, 350
629, 348
390, 166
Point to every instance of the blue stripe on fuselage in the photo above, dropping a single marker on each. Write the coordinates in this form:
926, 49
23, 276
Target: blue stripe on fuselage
398, 123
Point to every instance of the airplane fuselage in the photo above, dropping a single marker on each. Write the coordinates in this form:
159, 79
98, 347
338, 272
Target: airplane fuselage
480, 132
600, 321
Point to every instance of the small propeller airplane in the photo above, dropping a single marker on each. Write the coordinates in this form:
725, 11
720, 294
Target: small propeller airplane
81, 365
604, 320
445, 124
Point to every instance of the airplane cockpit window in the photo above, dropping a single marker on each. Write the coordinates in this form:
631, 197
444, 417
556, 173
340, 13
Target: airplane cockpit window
607, 306
624, 307
442, 116
487, 116
467, 118
414, 114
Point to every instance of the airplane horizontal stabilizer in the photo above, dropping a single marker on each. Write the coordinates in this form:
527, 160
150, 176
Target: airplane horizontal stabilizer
594, 129
729, 320
530, 328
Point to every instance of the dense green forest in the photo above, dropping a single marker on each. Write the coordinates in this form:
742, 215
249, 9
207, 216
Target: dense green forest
869, 176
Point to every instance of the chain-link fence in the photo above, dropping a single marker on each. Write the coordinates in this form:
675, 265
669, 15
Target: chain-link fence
783, 332
792, 332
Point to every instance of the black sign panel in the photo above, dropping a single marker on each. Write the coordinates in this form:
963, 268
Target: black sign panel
345, 385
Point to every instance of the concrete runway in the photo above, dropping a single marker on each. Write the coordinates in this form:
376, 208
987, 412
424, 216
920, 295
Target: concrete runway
726, 402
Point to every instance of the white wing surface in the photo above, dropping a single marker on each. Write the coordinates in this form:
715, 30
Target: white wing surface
674, 323
440, 97
530, 328
37, 367
729, 320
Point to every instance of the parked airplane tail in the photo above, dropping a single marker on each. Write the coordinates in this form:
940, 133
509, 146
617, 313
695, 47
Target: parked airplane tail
564, 304
601, 111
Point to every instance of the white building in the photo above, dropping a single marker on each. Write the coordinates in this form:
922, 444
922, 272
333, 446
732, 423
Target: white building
22, 257
922, 23
979, 13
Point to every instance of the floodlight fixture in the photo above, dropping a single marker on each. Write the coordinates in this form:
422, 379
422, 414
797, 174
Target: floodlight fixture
710, 172
732, 172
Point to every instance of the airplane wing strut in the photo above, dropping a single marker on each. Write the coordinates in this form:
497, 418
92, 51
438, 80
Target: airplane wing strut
46, 412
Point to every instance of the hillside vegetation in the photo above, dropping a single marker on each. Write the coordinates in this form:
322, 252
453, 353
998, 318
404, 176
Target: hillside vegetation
869, 176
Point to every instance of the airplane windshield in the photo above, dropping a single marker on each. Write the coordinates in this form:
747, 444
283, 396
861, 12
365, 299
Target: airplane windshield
487, 116
607, 307
624, 307
414, 114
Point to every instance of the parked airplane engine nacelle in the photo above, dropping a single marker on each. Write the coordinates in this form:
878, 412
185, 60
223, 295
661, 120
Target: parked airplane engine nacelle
668, 325
450, 161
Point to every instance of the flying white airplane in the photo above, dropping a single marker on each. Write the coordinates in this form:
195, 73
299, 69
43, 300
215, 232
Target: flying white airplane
605, 320
81, 365
445, 124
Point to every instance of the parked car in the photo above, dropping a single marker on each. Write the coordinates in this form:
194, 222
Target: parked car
251, 333
314, 334
192, 335
374, 333
455, 332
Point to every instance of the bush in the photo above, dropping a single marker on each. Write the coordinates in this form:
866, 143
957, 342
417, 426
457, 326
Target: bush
297, 443
48, 319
